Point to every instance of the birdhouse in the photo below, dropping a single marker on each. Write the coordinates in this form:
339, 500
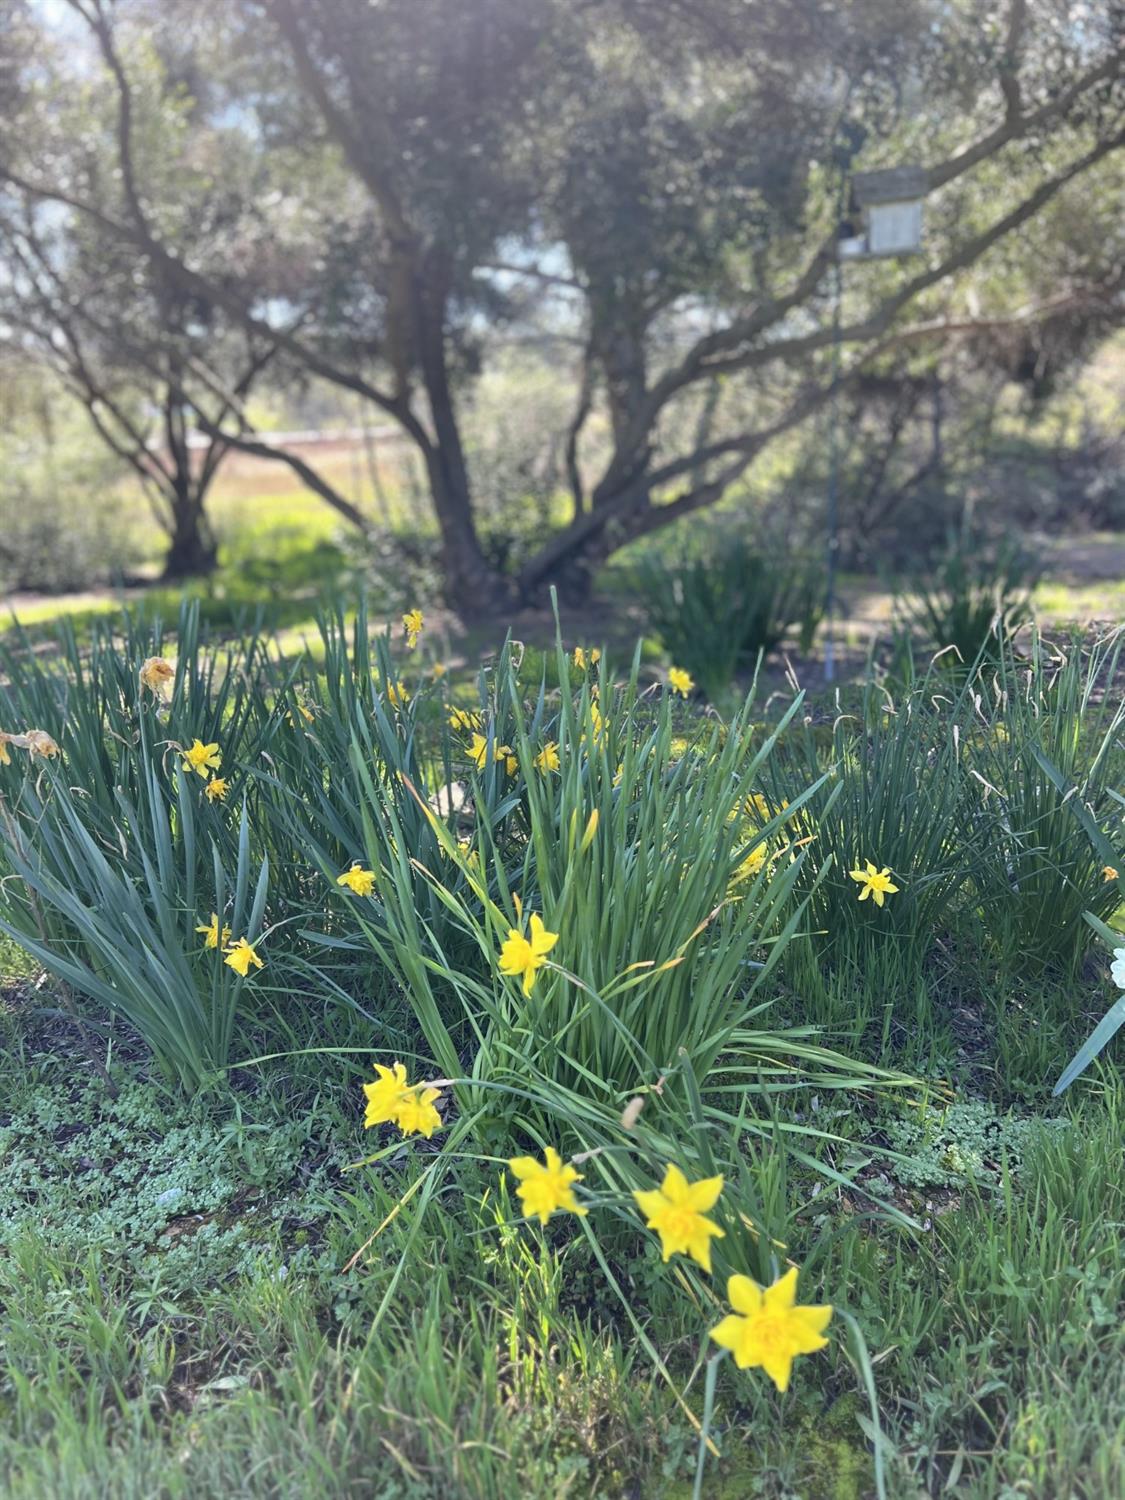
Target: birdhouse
889, 203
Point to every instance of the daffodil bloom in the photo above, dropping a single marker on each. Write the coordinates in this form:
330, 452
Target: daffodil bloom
416, 1114
768, 1329
39, 742
875, 883
679, 681
214, 935
676, 1211
750, 866
385, 1095
548, 758
305, 712
240, 956
357, 879
583, 658
470, 855
545, 1187
437, 671
5, 757
597, 723
526, 956
397, 696
202, 758
412, 623
1109, 873
216, 789
756, 806
463, 719
478, 754
154, 673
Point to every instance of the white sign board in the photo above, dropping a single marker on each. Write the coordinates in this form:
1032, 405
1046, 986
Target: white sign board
894, 228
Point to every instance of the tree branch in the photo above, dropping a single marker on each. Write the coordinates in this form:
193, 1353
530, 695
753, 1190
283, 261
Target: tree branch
305, 472
701, 358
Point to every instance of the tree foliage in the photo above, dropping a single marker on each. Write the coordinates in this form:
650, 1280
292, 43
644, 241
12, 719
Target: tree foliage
369, 193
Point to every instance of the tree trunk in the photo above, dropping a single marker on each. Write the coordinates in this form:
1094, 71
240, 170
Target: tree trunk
472, 586
192, 549
189, 555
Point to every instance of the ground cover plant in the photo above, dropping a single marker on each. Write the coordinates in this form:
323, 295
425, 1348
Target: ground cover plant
423, 1087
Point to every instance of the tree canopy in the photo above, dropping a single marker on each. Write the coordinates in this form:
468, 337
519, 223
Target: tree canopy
359, 191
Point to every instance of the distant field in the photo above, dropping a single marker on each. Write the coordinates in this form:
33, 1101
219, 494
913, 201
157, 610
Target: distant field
281, 545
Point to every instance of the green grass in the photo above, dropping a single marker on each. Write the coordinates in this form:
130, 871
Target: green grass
179, 1320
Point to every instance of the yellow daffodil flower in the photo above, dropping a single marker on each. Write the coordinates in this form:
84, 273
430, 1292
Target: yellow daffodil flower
548, 758
385, 1095
397, 696
305, 712
1109, 873
750, 866
526, 956
546, 1186
597, 723
202, 758
217, 789
875, 883
583, 658
768, 1329
240, 956
679, 681
357, 879
416, 1114
756, 806
464, 719
676, 1211
501, 754
213, 935
412, 623
390, 1099
5, 757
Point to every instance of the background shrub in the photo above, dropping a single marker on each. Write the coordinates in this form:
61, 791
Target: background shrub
716, 609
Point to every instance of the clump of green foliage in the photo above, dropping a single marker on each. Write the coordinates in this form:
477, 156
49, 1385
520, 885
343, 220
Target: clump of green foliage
179, 1203
717, 609
972, 600
966, 1141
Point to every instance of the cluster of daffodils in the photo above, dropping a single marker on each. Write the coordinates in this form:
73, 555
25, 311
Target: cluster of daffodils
391, 1100
240, 956
203, 759
767, 1328
34, 741
754, 811
480, 751
156, 675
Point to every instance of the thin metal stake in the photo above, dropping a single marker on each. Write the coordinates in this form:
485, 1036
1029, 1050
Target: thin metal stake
833, 475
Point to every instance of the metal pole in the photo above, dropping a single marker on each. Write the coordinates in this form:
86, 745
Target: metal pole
833, 474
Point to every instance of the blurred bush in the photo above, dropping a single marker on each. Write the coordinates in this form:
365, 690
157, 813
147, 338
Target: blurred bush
974, 597
63, 524
717, 607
